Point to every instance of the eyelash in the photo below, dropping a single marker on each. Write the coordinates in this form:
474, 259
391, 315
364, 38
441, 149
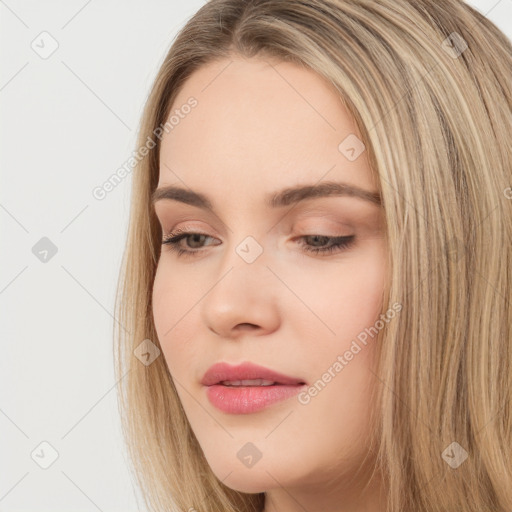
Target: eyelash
341, 243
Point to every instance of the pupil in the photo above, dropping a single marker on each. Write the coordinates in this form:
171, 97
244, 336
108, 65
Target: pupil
319, 238
195, 238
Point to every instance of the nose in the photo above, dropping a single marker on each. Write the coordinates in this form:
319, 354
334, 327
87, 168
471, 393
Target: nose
243, 299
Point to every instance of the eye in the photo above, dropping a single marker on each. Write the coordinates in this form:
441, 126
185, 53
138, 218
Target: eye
334, 243
337, 243
173, 240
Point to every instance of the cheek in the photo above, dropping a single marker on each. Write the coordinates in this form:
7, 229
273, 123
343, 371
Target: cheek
343, 298
362, 285
164, 302
172, 303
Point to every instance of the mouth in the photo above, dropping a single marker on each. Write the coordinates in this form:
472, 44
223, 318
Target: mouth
247, 388
247, 374
249, 382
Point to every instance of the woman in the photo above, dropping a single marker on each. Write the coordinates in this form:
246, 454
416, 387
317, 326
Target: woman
317, 276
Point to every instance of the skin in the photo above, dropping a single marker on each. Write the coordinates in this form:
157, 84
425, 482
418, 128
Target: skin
261, 126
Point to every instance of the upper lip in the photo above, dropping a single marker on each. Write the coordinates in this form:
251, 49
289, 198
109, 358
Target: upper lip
246, 371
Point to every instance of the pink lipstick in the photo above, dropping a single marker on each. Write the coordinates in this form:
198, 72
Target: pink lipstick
247, 388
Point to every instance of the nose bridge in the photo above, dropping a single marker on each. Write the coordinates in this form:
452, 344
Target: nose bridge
251, 250
242, 293
248, 236
245, 261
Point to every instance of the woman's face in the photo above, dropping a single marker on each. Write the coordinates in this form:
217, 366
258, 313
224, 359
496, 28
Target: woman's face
251, 289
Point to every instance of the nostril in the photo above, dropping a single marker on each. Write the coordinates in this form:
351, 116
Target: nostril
246, 326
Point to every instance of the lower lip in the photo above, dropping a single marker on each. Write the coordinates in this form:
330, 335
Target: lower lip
248, 399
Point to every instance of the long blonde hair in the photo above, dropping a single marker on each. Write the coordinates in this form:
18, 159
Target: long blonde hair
429, 85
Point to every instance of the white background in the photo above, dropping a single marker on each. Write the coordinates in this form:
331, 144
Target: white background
67, 123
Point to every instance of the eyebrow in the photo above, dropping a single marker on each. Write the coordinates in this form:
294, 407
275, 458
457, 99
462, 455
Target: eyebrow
285, 197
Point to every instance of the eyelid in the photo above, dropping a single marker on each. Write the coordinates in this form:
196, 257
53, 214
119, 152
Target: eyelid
316, 225
313, 219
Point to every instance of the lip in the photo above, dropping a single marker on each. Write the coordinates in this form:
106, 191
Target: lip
247, 399
246, 371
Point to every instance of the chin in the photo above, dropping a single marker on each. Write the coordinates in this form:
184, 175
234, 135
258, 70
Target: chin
248, 480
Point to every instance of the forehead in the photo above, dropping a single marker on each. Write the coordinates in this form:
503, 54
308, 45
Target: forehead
258, 124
